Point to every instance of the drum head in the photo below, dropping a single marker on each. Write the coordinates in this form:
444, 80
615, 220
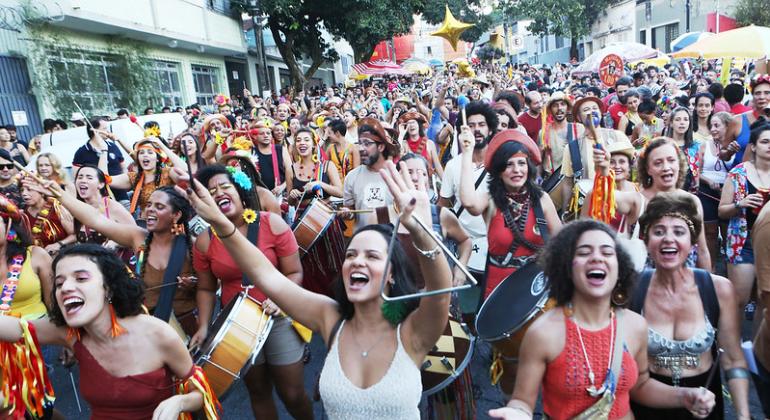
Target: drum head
513, 302
315, 204
455, 348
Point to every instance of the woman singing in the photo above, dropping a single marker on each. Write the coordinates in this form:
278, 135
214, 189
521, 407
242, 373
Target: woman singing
589, 354
376, 348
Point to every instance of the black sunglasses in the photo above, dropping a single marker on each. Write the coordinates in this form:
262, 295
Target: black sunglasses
6, 166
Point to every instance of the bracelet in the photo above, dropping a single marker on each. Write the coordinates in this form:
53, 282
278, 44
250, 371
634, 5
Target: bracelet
431, 255
737, 373
230, 234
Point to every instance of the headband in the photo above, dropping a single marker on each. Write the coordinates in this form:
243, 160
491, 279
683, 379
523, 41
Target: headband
678, 215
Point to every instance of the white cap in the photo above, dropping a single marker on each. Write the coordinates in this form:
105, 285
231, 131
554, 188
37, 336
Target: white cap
77, 116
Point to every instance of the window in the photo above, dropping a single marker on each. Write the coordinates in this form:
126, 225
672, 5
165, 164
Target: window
559, 42
672, 32
643, 36
168, 83
429, 51
206, 84
346, 61
88, 78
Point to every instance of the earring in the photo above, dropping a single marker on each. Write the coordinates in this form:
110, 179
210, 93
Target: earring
619, 297
73, 333
116, 329
649, 180
177, 229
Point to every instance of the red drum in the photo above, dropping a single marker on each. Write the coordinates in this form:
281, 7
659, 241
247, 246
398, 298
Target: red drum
320, 236
315, 219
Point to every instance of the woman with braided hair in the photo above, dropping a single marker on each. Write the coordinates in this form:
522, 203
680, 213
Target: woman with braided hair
163, 245
151, 173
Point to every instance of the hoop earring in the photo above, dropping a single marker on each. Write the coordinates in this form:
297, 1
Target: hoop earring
619, 297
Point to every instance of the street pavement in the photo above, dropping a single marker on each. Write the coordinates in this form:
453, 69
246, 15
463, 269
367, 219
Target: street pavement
236, 403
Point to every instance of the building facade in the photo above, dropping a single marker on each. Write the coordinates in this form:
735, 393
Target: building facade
658, 22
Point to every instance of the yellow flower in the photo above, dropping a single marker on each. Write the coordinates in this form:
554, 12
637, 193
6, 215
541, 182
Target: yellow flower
242, 143
44, 212
249, 216
36, 230
218, 139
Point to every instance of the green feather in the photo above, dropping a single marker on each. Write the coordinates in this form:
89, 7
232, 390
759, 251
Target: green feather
394, 312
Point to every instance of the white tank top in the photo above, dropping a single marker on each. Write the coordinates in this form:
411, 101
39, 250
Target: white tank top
714, 169
395, 396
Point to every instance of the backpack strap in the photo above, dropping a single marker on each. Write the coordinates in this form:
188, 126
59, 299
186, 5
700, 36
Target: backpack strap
476, 187
435, 213
708, 295
640, 290
542, 224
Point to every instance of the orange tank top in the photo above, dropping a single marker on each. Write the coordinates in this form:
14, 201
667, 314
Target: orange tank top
566, 377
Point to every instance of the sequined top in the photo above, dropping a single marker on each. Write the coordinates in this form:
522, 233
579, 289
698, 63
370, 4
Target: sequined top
660, 345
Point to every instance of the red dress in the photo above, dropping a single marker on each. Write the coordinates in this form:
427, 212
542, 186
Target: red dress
221, 264
500, 239
566, 377
130, 397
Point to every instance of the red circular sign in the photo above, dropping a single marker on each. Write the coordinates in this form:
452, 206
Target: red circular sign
610, 69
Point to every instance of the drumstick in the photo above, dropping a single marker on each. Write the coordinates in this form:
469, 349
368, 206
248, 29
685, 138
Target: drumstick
75, 389
465, 117
189, 168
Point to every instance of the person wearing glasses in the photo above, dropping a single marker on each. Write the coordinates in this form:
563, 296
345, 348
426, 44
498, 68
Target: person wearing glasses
8, 185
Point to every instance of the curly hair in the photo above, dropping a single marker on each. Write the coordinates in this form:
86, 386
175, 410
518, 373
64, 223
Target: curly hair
124, 289
295, 157
249, 199
401, 269
643, 161
556, 260
667, 204
499, 163
480, 108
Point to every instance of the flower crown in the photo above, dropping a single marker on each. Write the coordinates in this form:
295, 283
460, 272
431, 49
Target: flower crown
152, 131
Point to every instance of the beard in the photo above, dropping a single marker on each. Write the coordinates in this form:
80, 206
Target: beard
372, 158
480, 144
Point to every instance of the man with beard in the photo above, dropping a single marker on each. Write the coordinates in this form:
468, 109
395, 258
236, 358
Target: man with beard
531, 118
557, 132
364, 188
482, 120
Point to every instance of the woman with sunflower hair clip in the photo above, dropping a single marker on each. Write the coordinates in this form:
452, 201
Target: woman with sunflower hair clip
279, 364
313, 176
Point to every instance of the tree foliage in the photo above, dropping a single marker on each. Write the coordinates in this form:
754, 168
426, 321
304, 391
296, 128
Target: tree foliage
468, 11
365, 23
755, 12
566, 18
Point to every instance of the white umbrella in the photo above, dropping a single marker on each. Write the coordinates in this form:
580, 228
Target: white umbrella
628, 51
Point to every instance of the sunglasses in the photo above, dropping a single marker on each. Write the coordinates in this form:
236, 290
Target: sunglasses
6, 166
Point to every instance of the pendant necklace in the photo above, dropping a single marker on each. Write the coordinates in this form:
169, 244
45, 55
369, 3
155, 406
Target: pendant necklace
365, 353
591, 377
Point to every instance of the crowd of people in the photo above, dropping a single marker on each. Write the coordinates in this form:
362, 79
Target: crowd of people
643, 203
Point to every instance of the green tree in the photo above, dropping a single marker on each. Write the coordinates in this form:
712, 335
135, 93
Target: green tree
755, 12
566, 18
365, 23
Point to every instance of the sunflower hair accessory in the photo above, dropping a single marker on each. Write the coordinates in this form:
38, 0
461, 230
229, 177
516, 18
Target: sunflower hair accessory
152, 131
249, 216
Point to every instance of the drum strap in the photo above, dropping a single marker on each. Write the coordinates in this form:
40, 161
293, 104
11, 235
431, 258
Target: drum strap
577, 162
476, 187
175, 261
252, 234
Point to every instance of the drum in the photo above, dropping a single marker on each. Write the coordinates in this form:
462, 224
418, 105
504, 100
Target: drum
512, 307
446, 379
316, 218
322, 264
553, 185
236, 337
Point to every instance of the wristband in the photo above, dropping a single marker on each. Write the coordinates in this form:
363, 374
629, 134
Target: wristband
737, 373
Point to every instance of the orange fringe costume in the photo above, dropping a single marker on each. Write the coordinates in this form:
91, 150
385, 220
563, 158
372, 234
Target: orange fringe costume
198, 381
25, 383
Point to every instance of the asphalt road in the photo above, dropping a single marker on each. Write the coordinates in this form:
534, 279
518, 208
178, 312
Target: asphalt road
236, 404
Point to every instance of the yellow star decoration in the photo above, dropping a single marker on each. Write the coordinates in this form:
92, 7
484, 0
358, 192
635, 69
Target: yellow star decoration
452, 28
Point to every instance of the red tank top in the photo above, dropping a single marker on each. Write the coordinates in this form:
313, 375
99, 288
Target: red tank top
500, 238
129, 397
566, 377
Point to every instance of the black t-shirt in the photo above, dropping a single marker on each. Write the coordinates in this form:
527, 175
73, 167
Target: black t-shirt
86, 155
266, 167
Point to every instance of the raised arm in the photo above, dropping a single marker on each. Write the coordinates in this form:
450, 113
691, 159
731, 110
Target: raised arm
125, 234
474, 202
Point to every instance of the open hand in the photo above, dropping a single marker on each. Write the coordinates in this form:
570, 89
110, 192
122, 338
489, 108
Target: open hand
409, 198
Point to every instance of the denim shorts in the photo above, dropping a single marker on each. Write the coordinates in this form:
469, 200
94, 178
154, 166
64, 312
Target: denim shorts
747, 252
